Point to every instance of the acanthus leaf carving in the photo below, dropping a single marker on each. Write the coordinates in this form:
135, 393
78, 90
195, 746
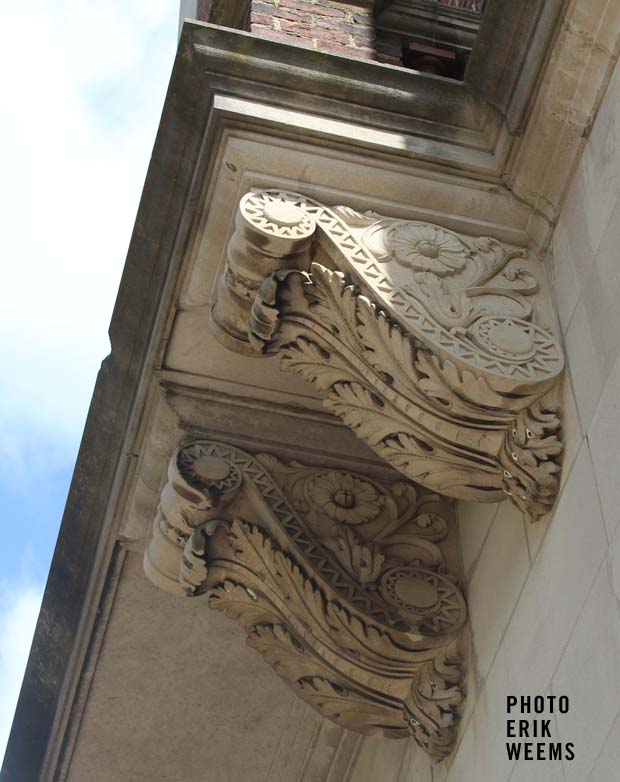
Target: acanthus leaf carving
440, 413
431, 347
428, 343
362, 560
339, 580
415, 433
433, 703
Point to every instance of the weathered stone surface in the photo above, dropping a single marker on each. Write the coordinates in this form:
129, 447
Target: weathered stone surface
429, 346
244, 112
339, 581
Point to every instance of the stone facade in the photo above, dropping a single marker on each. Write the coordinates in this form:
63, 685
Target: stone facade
417, 518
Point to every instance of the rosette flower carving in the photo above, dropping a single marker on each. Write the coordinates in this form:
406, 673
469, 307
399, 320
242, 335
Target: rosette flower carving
427, 248
344, 498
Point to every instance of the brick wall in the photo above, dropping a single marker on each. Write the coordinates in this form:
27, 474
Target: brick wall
339, 27
331, 25
203, 10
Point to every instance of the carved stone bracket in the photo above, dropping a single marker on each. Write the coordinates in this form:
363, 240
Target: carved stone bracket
435, 348
340, 581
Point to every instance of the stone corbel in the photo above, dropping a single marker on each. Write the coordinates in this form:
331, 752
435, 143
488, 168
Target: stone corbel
342, 582
435, 348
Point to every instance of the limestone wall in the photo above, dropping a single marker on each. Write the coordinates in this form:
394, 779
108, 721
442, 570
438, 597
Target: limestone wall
543, 598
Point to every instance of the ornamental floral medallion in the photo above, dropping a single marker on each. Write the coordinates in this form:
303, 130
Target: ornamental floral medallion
427, 248
345, 498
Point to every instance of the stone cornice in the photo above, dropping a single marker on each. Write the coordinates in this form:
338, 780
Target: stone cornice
438, 120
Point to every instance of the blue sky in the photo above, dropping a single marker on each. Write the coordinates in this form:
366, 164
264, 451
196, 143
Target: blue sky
83, 87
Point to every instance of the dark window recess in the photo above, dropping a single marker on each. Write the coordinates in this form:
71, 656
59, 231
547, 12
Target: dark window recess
428, 36
433, 59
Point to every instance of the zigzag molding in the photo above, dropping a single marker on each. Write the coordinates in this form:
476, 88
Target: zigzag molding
338, 579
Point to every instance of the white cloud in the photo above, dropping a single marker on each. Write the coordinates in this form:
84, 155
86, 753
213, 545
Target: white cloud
18, 616
87, 85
